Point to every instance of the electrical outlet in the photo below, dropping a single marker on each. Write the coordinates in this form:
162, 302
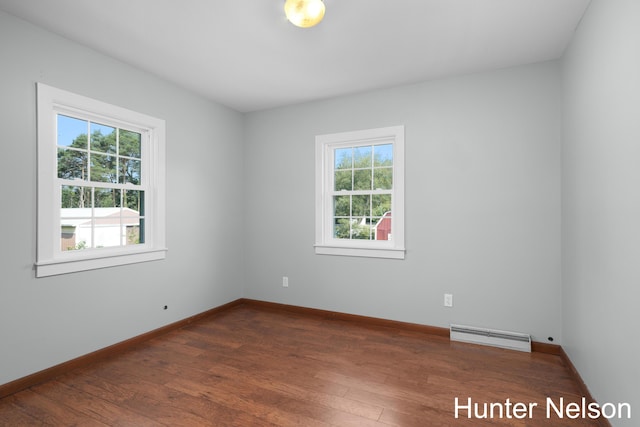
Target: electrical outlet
285, 282
448, 300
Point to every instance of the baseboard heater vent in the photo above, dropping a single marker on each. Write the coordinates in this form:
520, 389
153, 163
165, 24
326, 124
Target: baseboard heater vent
492, 337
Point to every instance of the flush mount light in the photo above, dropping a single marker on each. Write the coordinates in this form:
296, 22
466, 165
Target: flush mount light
304, 13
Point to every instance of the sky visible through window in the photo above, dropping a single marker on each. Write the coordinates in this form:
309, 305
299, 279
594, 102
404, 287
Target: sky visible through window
69, 128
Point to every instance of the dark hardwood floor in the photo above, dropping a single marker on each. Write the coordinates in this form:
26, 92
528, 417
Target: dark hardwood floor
252, 366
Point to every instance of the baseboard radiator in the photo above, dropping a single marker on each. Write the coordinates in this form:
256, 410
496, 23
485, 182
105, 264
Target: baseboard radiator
492, 337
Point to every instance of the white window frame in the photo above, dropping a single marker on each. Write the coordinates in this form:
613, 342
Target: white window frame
325, 243
50, 259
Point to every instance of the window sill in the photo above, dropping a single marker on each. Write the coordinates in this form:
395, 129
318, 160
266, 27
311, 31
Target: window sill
56, 267
360, 252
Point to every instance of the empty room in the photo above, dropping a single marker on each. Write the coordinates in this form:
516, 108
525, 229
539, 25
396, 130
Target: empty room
320, 212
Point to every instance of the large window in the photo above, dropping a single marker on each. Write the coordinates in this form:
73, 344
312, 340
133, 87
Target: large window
360, 193
100, 184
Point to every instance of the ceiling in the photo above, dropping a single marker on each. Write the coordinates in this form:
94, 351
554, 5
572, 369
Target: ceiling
246, 55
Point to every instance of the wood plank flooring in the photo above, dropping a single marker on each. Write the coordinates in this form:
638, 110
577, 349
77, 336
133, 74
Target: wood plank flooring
252, 366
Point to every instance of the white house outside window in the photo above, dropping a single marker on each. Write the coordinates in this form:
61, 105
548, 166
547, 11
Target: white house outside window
100, 184
360, 193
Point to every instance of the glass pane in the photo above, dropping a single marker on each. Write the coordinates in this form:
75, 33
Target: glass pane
341, 206
383, 179
103, 138
343, 158
380, 204
103, 168
132, 231
360, 206
108, 231
72, 164
361, 229
75, 198
342, 180
134, 202
130, 143
341, 228
107, 198
72, 132
362, 157
362, 179
382, 227
130, 171
383, 155
75, 234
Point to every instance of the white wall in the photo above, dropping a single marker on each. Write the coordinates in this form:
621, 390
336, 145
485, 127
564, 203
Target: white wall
47, 321
601, 202
482, 204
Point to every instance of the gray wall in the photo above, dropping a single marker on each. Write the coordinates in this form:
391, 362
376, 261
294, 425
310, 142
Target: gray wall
482, 204
47, 321
601, 201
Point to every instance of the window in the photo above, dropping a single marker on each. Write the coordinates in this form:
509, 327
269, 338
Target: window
360, 193
100, 184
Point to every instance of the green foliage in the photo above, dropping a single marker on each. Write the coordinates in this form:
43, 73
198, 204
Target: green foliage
79, 246
72, 164
353, 229
76, 197
343, 228
356, 215
363, 168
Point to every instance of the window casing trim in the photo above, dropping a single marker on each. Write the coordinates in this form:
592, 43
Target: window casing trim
50, 260
325, 243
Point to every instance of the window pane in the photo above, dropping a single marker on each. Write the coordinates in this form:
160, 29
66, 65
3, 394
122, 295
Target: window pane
132, 227
341, 228
72, 164
342, 180
103, 138
362, 157
383, 155
345, 228
360, 205
132, 223
341, 206
134, 200
75, 234
107, 198
380, 204
362, 179
75, 198
382, 179
129, 171
108, 230
361, 229
103, 168
72, 132
343, 158
67, 237
382, 227
130, 143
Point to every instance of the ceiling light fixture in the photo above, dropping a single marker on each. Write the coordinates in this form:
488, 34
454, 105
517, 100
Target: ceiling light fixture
304, 13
